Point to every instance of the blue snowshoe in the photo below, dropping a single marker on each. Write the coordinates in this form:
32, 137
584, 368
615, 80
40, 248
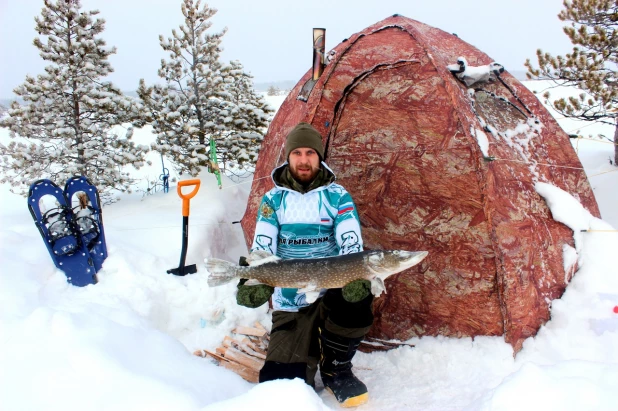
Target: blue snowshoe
54, 219
87, 216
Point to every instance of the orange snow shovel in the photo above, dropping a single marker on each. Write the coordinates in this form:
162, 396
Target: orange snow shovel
182, 269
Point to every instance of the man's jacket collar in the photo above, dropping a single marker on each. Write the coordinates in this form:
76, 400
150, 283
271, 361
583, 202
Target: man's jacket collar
283, 179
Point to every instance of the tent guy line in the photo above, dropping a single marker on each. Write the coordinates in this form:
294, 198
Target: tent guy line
597, 141
604, 172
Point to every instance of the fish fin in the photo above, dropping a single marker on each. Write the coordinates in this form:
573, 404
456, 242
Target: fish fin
311, 296
258, 255
253, 282
308, 288
220, 271
377, 286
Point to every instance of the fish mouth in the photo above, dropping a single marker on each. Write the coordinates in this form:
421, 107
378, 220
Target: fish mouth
410, 258
384, 264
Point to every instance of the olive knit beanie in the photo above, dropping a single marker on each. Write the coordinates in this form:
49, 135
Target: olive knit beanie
304, 135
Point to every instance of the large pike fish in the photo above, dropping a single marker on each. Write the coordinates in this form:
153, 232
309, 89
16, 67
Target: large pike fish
313, 274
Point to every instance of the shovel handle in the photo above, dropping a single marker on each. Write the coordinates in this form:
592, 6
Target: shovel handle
187, 197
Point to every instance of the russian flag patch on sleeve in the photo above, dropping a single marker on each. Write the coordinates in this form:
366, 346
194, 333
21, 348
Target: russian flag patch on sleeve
345, 208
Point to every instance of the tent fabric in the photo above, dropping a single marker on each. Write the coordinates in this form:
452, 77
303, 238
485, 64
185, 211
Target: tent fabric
434, 165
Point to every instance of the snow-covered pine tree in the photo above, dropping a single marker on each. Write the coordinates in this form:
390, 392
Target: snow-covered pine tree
65, 126
246, 122
198, 102
591, 66
273, 91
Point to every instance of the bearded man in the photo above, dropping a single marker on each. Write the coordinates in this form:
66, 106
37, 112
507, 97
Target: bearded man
308, 215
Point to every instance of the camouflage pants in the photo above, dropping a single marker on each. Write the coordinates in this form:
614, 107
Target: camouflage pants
293, 351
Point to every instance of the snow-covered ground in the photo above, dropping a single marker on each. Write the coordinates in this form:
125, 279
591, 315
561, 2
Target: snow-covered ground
126, 342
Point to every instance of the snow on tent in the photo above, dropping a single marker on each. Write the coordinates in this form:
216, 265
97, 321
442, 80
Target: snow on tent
436, 165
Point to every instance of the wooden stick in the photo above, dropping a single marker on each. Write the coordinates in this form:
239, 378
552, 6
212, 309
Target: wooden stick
252, 353
249, 331
227, 341
261, 343
259, 326
244, 347
246, 341
247, 373
388, 343
254, 340
233, 354
219, 358
375, 344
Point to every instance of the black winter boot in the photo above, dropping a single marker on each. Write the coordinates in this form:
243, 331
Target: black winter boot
336, 369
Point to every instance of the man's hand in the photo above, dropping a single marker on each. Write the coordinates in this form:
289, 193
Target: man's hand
252, 296
356, 290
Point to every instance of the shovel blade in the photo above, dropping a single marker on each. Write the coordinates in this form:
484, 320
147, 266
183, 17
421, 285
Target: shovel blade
181, 271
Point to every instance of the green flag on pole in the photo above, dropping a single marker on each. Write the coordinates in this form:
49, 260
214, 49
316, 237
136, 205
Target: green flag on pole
214, 164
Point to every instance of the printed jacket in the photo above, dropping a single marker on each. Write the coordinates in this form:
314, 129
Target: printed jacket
320, 223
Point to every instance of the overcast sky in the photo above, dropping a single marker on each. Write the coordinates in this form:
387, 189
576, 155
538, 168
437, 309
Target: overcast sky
272, 38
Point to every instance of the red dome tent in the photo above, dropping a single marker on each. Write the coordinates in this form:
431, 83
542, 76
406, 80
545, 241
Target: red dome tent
434, 165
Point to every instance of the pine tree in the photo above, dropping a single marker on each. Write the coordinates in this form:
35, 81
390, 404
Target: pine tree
591, 66
246, 122
66, 125
273, 91
202, 99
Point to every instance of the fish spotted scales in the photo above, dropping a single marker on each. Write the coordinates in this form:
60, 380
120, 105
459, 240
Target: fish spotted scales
310, 275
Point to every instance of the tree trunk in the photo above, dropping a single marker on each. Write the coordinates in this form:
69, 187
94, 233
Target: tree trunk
616, 144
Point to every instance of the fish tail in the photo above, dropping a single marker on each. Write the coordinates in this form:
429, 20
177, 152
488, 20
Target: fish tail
221, 272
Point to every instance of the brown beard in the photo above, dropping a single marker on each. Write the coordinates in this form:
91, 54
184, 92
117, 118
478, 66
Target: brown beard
304, 179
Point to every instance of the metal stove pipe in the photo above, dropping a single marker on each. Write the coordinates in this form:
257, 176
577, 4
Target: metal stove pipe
319, 41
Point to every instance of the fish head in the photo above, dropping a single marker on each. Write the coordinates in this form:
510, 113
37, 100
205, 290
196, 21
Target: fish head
387, 263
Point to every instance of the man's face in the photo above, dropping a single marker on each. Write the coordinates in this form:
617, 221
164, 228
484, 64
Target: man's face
304, 164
